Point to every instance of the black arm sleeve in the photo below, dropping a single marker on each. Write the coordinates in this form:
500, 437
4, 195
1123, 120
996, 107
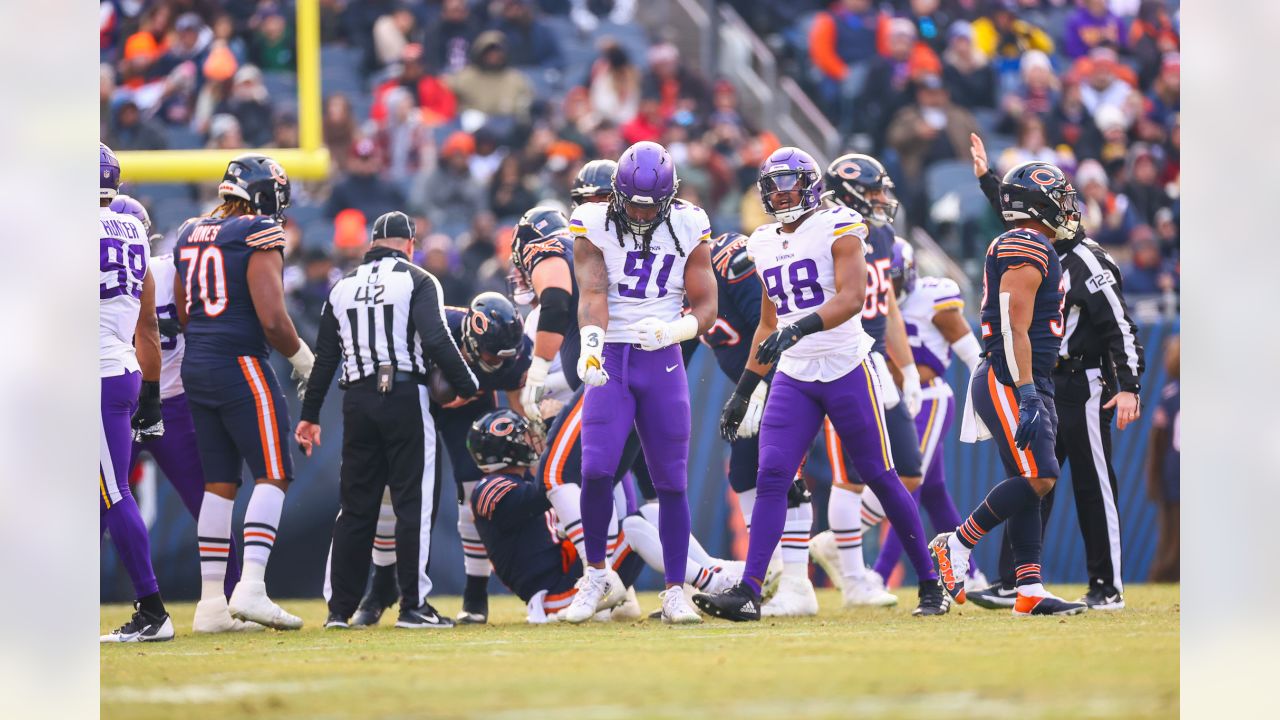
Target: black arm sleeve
555, 317
328, 356
427, 309
990, 185
1114, 326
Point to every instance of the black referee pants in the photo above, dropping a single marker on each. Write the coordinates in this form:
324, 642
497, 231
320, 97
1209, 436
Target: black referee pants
388, 440
1084, 443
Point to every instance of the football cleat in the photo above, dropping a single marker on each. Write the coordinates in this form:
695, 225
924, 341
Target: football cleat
249, 602
422, 618
994, 597
604, 593
772, 576
739, 603
950, 564
470, 618
676, 609
212, 616
823, 550
383, 592
977, 579
932, 601
1102, 597
795, 598
336, 622
142, 627
867, 591
629, 610
1027, 605
726, 575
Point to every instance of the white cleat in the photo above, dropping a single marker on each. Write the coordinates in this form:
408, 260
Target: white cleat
978, 580
676, 608
794, 598
249, 602
629, 610
823, 550
867, 591
772, 575
212, 616
605, 593
729, 574
141, 628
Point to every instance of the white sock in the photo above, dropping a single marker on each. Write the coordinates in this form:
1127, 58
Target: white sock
565, 501
795, 540
746, 504
475, 558
872, 511
261, 520
384, 537
697, 553
844, 510
1033, 590
213, 528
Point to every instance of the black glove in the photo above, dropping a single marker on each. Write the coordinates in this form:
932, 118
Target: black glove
777, 343
736, 408
170, 327
1031, 412
147, 421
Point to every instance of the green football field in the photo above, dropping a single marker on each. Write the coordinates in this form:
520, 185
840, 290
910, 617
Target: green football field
867, 663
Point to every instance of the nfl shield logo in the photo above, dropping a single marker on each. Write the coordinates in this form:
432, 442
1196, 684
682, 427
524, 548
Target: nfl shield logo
786, 243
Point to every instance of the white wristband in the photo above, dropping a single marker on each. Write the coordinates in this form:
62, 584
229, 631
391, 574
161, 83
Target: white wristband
592, 340
686, 328
303, 359
968, 350
910, 375
538, 370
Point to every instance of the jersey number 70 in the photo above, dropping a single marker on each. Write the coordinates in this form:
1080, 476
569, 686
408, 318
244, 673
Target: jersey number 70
207, 269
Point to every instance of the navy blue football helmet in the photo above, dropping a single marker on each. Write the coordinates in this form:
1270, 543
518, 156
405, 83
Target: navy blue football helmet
594, 182
851, 178
499, 439
259, 180
493, 331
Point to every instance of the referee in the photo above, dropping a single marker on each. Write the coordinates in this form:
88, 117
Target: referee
384, 325
1097, 379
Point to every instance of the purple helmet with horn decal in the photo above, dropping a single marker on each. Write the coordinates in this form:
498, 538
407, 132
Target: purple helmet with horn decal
644, 185
787, 169
902, 269
130, 206
108, 173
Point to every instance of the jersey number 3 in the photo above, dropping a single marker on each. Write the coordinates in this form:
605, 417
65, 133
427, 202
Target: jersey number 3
805, 290
207, 269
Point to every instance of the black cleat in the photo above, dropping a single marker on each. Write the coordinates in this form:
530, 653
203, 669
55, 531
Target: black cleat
739, 603
383, 592
1027, 605
336, 622
475, 602
422, 618
932, 600
1103, 597
994, 597
142, 627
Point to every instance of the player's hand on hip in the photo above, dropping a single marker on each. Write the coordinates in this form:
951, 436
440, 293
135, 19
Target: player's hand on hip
307, 435
535, 386
1031, 413
777, 343
750, 426
148, 420
653, 333
1128, 408
912, 394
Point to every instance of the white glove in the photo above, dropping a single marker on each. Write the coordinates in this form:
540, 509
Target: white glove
535, 385
591, 359
912, 395
755, 411
655, 334
302, 361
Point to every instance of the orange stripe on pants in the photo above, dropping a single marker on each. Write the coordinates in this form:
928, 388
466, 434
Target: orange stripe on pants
835, 452
266, 415
572, 428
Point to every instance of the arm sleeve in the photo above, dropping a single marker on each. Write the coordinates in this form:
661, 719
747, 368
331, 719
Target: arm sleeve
427, 309
555, 316
990, 185
1105, 300
328, 356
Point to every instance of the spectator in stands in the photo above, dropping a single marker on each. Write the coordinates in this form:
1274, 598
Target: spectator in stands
364, 188
966, 72
1004, 37
1092, 25
488, 84
928, 130
1151, 36
1032, 146
339, 129
451, 37
428, 92
224, 133
509, 194
176, 97
674, 84
248, 101
284, 129
587, 14
1167, 233
1114, 128
1105, 82
931, 23
1103, 213
608, 141
189, 43
487, 155
273, 46
224, 32
350, 238
478, 243
437, 259
615, 85
130, 131
888, 87
531, 43
219, 70
842, 42
1035, 94
1144, 190
579, 119
449, 196
1147, 273
308, 296
404, 140
647, 124
106, 91
1164, 476
395, 31
1070, 124
1165, 98
144, 47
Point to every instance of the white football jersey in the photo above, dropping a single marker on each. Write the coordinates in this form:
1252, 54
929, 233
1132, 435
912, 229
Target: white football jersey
641, 285
171, 349
557, 387
123, 256
931, 296
798, 274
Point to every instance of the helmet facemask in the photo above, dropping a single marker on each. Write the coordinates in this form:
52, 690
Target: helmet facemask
788, 181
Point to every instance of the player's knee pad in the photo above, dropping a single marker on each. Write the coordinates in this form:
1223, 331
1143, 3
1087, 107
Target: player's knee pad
798, 494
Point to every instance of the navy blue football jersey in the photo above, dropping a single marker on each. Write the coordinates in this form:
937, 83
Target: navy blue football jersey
213, 260
506, 377
560, 246
739, 290
1014, 249
875, 309
519, 533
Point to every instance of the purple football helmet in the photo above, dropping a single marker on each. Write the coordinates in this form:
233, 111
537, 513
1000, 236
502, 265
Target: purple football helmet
644, 185
787, 169
902, 270
130, 206
109, 173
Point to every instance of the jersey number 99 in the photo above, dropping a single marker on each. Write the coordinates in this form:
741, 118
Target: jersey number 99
206, 277
805, 291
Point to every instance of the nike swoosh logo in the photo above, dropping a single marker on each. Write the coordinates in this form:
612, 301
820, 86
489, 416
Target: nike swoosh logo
673, 367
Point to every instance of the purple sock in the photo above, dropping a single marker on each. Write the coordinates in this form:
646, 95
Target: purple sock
900, 510
768, 517
891, 549
673, 531
596, 504
129, 534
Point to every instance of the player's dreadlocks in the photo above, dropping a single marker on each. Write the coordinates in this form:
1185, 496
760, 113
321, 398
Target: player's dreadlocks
232, 206
611, 215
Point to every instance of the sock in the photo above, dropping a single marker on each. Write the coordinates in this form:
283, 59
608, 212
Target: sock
673, 529
129, 533
1024, 533
213, 535
795, 540
1002, 502
152, 604
476, 592
768, 517
900, 510
844, 511
891, 548
384, 538
595, 506
566, 501
475, 558
261, 519
872, 510
936, 500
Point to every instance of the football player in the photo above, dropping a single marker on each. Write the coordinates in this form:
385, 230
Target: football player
1011, 391
812, 265
229, 293
129, 368
491, 335
636, 258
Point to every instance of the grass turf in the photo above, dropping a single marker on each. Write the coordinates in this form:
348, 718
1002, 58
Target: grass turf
866, 663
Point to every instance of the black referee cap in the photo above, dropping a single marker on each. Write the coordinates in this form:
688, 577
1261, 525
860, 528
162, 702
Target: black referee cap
393, 225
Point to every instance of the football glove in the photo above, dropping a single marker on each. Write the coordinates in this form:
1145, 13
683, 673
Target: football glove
750, 426
170, 327
777, 343
655, 334
912, 395
731, 417
148, 421
302, 361
1031, 413
535, 386
591, 362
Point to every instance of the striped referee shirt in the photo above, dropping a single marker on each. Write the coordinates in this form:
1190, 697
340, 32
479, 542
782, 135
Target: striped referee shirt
387, 311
